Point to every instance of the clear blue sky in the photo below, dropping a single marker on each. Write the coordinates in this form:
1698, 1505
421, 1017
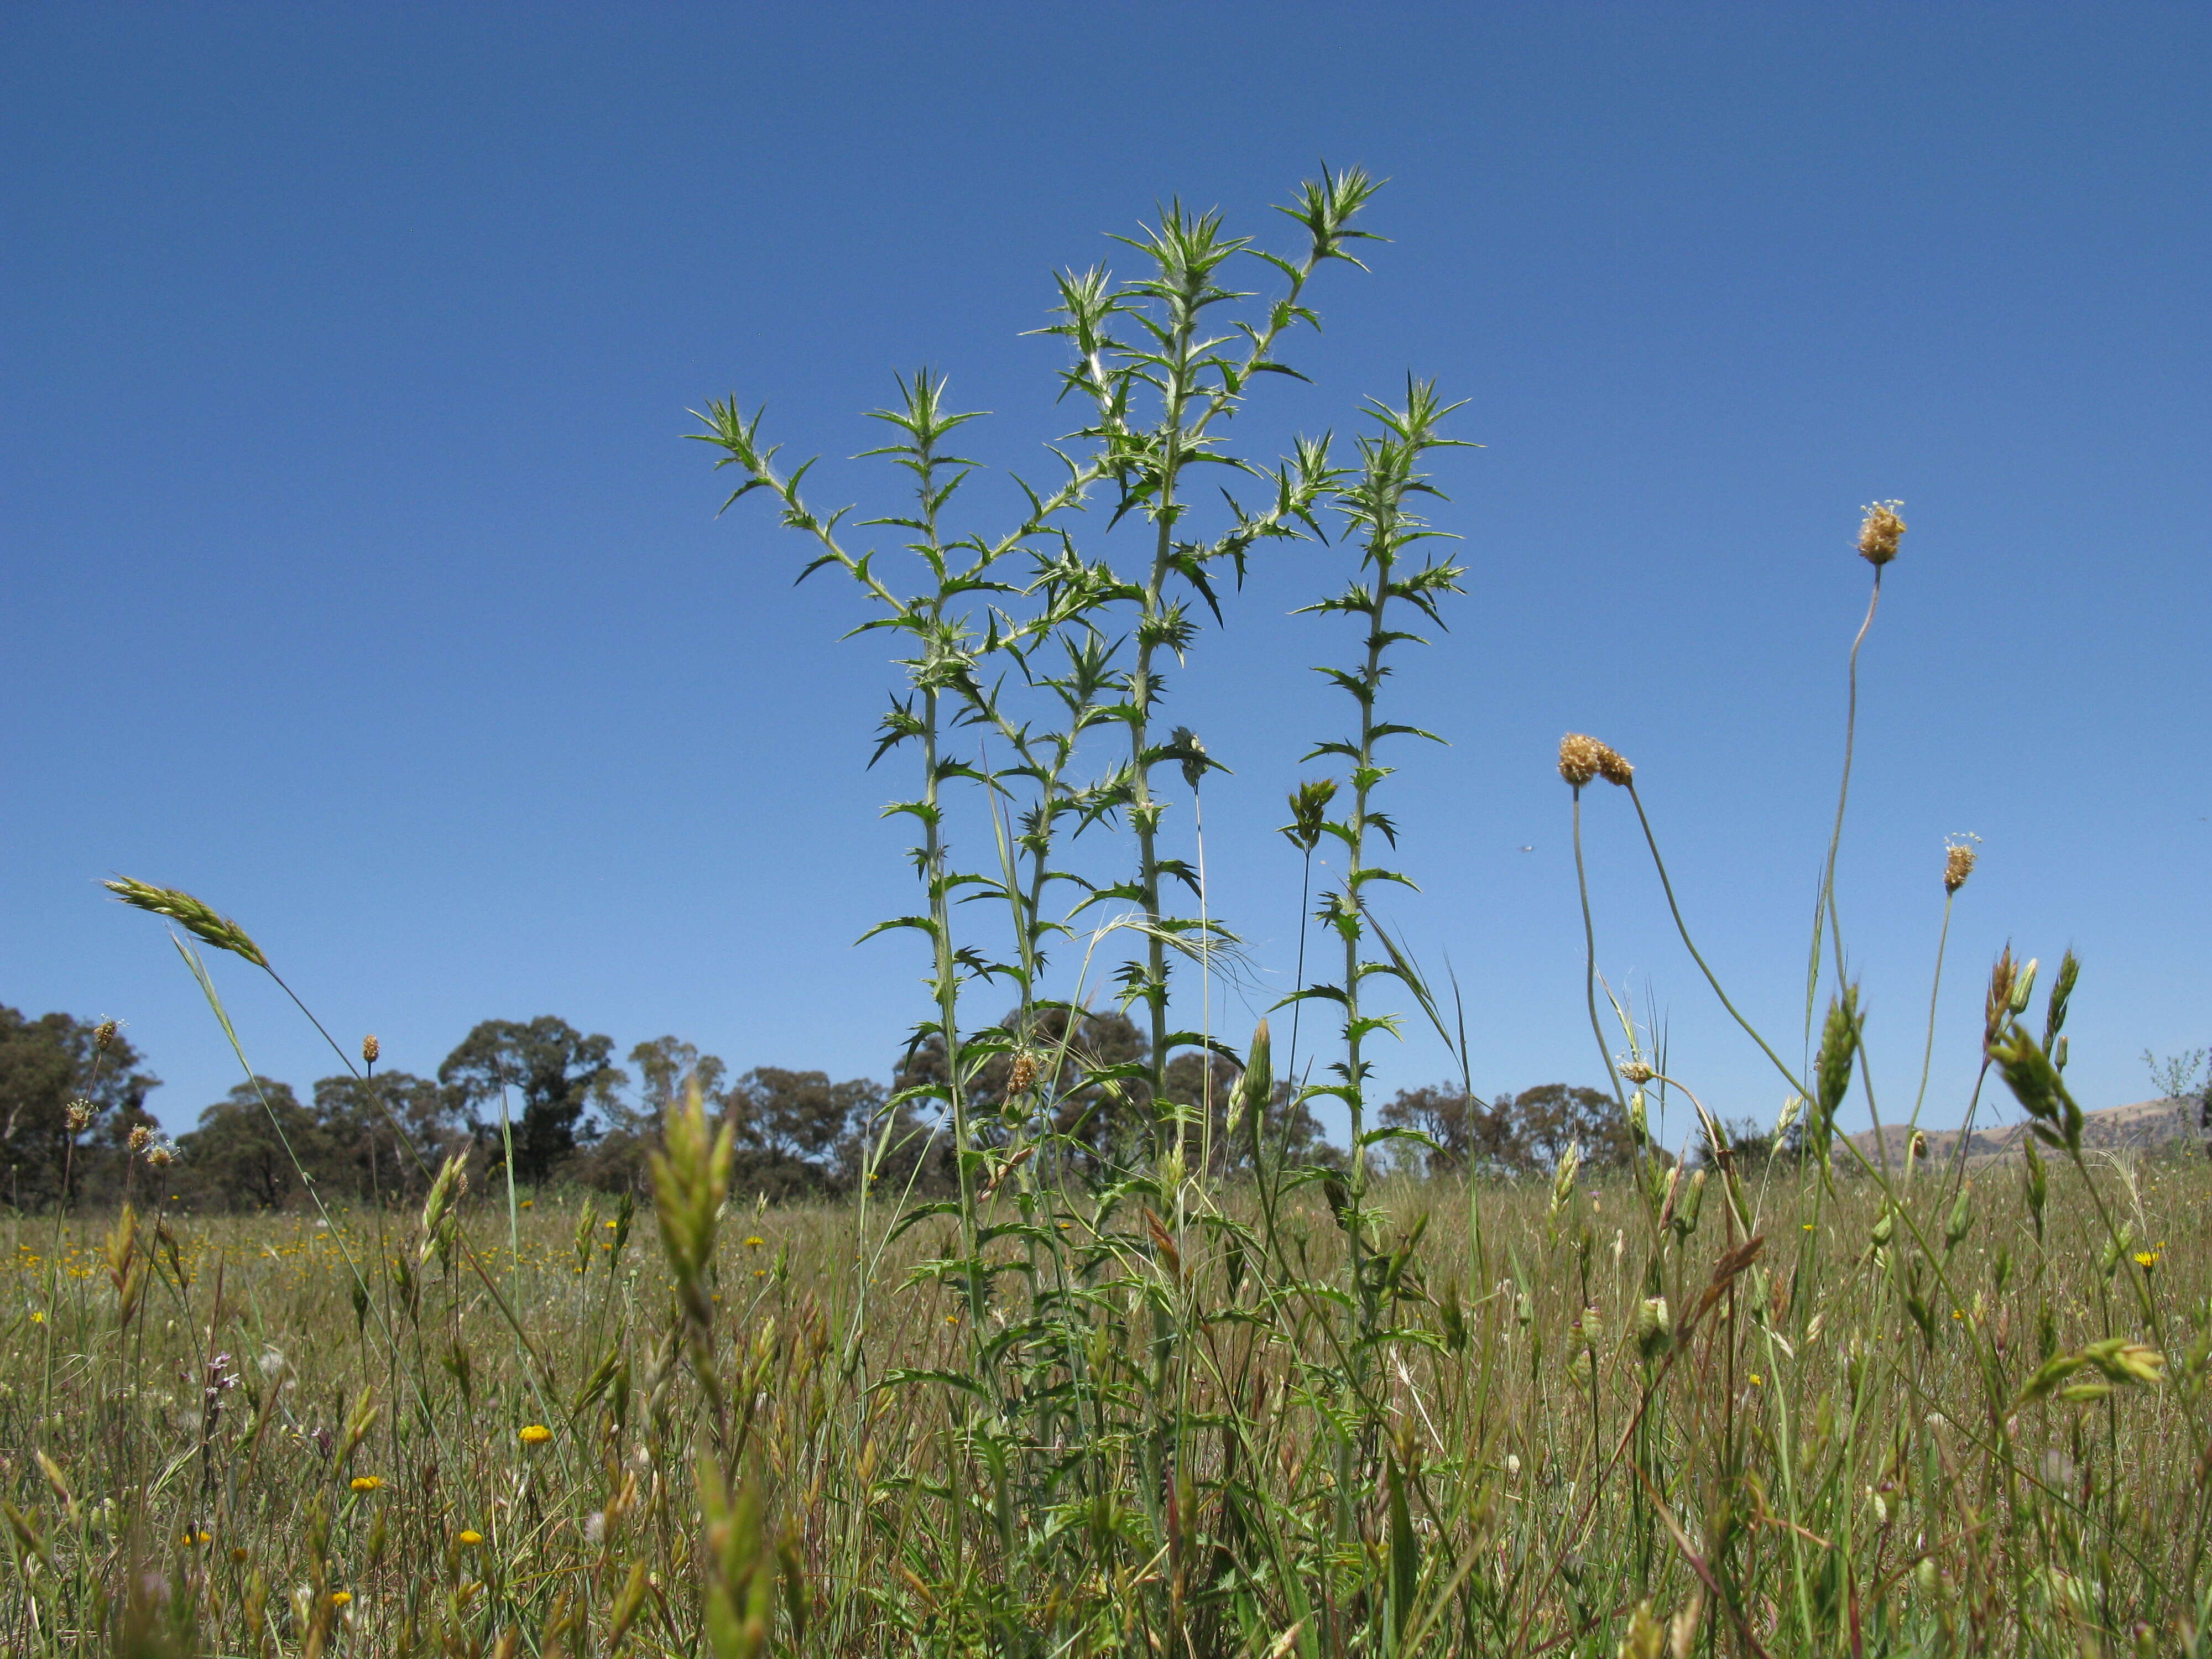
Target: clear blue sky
358, 580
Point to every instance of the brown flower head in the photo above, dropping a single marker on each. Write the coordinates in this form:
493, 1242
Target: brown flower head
1581, 758
1022, 1073
79, 1113
1613, 768
1958, 864
1880, 531
370, 1048
141, 1138
104, 1033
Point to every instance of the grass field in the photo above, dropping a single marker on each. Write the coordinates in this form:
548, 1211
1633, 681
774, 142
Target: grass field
1131, 1376
1580, 1433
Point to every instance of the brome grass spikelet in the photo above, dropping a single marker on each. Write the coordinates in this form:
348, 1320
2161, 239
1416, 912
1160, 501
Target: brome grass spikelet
195, 917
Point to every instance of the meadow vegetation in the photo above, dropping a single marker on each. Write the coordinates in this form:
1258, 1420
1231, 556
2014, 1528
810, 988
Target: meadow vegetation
1105, 1350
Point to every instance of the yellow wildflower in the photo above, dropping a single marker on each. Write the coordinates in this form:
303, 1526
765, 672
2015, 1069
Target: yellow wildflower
367, 1482
469, 1537
341, 1598
536, 1434
755, 1241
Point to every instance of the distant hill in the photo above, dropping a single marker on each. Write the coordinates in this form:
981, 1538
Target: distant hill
2144, 1125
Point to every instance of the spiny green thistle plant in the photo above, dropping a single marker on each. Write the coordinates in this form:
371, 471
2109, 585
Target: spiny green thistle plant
1127, 1370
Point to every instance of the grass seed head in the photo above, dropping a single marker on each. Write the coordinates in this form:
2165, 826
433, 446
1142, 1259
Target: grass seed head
188, 912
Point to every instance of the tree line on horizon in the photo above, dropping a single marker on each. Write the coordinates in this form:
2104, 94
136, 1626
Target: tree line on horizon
73, 1107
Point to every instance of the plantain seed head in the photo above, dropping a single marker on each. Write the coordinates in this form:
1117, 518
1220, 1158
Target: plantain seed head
1880, 531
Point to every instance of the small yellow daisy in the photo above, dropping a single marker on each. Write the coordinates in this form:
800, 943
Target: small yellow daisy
536, 1434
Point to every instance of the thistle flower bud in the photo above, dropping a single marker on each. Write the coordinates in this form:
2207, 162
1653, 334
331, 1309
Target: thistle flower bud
1880, 531
1958, 864
370, 1048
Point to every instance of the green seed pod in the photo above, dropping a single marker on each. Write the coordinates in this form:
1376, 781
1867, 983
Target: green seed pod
1685, 1219
1454, 1322
2023, 987
1884, 1227
1962, 1218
